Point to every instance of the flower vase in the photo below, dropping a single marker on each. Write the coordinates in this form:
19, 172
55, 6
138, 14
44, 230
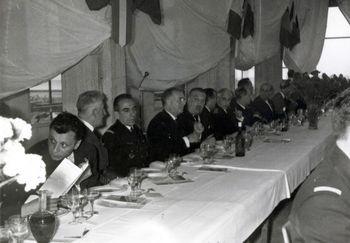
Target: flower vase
312, 116
43, 223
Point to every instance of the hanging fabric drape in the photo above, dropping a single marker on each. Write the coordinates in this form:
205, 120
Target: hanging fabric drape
265, 41
191, 40
312, 16
344, 6
40, 39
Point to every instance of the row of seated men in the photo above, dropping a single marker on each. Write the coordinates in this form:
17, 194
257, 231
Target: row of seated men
178, 129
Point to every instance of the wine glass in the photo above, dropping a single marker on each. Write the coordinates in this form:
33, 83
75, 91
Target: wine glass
91, 196
18, 227
73, 202
5, 234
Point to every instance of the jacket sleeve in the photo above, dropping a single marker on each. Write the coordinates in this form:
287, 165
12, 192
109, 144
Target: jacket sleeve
324, 217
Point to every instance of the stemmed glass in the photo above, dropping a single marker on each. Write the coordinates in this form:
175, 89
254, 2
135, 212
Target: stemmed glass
72, 200
5, 234
91, 196
18, 227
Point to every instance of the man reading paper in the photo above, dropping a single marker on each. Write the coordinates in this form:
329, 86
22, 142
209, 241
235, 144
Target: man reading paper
65, 135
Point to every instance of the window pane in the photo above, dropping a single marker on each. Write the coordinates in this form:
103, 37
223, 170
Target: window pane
337, 24
334, 59
250, 74
43, 109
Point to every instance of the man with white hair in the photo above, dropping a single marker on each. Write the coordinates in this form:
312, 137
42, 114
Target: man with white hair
91, 106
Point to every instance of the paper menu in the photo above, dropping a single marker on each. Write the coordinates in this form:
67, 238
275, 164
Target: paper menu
63, 178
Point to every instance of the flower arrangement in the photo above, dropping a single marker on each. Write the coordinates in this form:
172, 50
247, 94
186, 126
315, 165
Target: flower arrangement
15, 164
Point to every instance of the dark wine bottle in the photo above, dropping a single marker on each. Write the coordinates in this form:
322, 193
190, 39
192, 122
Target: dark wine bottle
43, 223
240, 141
285, 122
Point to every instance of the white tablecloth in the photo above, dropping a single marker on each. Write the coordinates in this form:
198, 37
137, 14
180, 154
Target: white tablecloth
216, 206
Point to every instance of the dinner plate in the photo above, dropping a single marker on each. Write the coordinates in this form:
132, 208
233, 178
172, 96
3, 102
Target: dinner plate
151, 170
108, 188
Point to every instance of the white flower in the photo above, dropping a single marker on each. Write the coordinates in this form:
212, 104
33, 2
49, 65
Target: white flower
32, 172
29, 169
6, 129
22, 129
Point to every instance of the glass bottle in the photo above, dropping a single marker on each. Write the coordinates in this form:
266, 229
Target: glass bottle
240, 141
43, 223
285, 122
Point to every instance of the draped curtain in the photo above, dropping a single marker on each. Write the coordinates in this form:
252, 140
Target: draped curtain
191, 40
40, 39
344, 6
312, 15
265, 42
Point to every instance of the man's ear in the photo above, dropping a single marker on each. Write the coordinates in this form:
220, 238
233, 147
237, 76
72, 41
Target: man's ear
77, 144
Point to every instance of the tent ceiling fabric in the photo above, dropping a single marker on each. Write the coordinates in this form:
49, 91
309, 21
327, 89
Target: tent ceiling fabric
265, 42
191, 40
39, 39
344, 6
312, 15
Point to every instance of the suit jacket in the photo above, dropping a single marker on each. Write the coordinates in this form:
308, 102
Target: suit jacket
14, 195
92, 139
186, 123
247, 113
261, 107
165, 137
126, 148
321, 208
280, 104
224, 123
207, 119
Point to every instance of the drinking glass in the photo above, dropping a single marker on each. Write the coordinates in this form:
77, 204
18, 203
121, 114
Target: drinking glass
5, 234
227, 144
18, 227
91, 196
73, 202
134, 180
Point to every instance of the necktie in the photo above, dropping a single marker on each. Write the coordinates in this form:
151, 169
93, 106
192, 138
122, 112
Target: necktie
97, 133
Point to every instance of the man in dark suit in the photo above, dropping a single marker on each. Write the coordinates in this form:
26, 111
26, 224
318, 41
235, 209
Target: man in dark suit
190, 117
127, 146
224, 122
64, 141
241, 107
263, 105
282, 104
164, 133
91, 106
207, 116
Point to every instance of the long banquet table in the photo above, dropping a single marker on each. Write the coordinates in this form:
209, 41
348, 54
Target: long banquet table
216, 206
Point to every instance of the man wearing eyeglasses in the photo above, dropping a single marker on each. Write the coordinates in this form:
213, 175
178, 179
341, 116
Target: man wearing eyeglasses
164, 133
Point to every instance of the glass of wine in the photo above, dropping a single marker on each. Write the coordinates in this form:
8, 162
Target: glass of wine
18, 227
91, 196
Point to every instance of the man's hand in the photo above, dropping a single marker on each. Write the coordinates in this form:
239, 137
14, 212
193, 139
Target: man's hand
194, 137
198, 127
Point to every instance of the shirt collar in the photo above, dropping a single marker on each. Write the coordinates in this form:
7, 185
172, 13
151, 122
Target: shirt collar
91, 128
207, 108
283, 96
241, 105
171, 115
